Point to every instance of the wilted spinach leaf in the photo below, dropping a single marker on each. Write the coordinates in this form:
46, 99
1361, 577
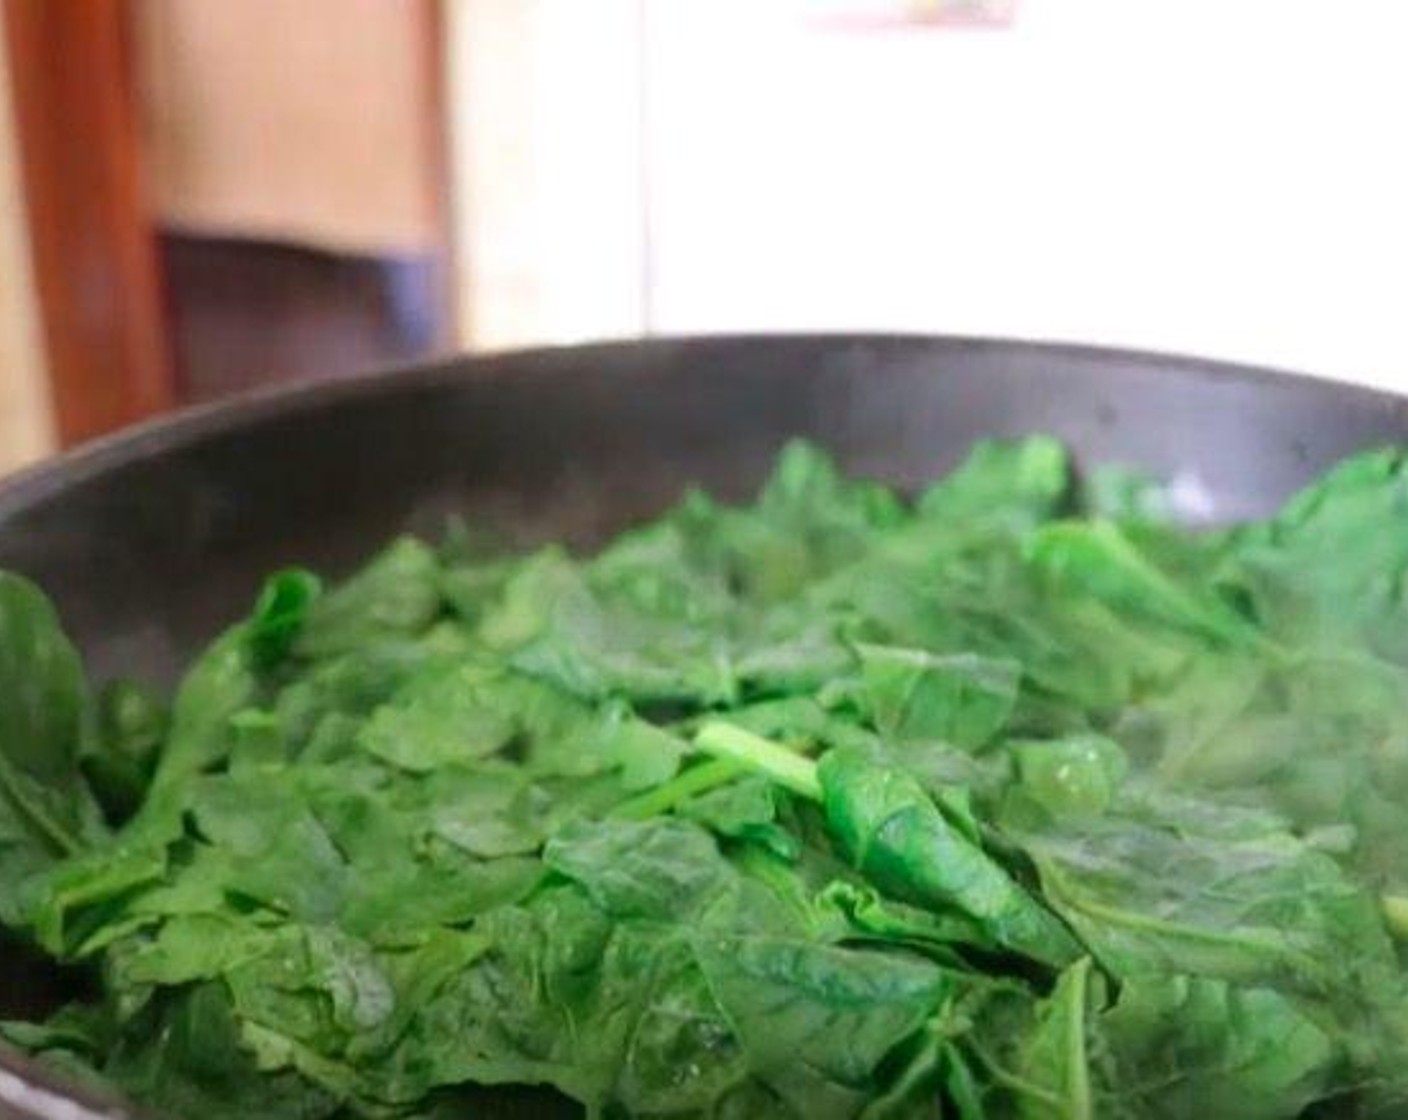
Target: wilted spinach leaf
46, 809
1017, 801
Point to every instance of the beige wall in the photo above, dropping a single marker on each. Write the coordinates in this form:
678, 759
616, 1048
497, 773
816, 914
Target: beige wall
25, 429
303, 121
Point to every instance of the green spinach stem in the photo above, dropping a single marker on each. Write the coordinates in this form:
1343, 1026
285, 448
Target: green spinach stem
786, 768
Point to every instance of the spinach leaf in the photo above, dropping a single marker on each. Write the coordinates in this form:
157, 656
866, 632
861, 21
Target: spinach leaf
280, 615
1055, 1061
898, 838
120, 756
961, 698
46, 809
1192, 1047
817, 1021
43, 687
397, 594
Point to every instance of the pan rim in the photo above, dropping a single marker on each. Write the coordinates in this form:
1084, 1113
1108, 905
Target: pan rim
192, 424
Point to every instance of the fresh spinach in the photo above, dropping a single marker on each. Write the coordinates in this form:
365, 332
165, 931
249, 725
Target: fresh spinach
47, 811
1014, 802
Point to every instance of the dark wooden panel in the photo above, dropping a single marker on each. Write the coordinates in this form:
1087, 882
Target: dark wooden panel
442, 278
95, 258
246, 313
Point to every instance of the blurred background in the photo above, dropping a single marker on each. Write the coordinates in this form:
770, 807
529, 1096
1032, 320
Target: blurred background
199, 197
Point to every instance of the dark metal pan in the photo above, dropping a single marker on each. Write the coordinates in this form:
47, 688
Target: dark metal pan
150, 541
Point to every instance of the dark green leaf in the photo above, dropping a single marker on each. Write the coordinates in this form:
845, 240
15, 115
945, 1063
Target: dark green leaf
896, 836
46, 810
961, 698
280, 614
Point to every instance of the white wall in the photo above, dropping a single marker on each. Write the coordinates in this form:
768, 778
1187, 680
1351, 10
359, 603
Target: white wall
1199, 175
544, 100
1202, 175
25, 427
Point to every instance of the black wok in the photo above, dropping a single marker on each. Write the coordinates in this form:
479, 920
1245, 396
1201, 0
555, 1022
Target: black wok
150, 541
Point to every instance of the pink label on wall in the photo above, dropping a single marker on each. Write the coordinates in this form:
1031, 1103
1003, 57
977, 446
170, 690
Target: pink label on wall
869, 14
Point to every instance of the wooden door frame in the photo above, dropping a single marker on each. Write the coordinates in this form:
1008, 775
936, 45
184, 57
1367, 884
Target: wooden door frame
96, 266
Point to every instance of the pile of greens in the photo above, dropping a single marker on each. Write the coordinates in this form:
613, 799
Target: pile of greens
1014, 800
